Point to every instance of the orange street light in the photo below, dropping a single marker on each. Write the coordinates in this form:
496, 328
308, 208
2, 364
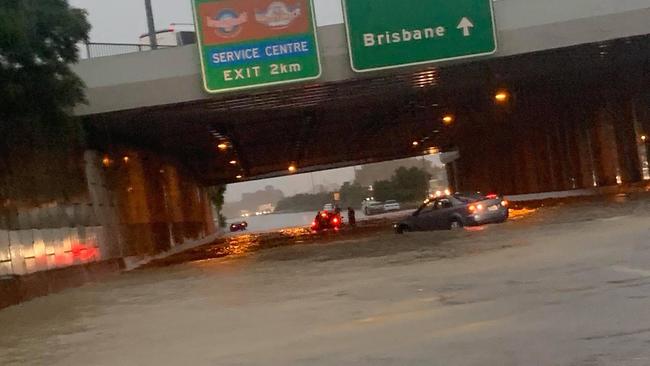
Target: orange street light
106, 161
448, 119
502, 97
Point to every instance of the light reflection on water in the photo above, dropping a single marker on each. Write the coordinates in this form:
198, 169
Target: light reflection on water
290, 221
520, 213
242, 244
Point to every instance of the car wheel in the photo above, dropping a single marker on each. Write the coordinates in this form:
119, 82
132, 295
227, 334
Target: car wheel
401, 229
455, 224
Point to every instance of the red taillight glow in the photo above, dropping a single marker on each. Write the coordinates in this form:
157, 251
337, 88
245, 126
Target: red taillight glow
491, 196
323, 215
335, 220
314, 224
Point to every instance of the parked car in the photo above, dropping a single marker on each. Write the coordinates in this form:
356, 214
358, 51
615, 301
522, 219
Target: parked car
455, 211
392, 205
372, 207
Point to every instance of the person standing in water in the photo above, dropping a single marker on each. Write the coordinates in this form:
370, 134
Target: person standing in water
352, 218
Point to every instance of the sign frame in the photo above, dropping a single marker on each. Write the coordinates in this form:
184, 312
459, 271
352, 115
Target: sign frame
200, 47
418, 63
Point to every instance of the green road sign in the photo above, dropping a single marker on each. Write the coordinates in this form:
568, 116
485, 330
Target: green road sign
252, 43
386, 34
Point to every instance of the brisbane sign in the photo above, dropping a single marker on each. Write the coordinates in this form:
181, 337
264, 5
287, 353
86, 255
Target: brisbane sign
388, 34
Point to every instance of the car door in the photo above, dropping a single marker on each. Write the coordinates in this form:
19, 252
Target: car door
444, 209
425, 217
437, 217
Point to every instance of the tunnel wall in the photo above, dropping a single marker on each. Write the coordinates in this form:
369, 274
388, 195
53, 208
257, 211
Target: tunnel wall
553, 139
131, 203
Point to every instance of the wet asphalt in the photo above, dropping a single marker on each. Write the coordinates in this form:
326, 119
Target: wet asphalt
567, 284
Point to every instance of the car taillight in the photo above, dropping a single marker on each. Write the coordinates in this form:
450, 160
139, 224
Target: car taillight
335, 220
475, 208
491, 196
314, 224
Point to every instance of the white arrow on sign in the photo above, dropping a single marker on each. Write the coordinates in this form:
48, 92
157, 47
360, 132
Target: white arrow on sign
465, 24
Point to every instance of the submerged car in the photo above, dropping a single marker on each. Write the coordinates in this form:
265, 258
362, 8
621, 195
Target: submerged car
326, 220
238, 226
455, 211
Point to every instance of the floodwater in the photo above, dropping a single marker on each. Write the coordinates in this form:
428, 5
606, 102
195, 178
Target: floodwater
566, 285
265, 223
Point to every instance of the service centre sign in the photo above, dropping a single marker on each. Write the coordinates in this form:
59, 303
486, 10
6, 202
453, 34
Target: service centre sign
252, 43
386, 34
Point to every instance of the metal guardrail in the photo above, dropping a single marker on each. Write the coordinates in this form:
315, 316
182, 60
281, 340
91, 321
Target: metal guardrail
94, 50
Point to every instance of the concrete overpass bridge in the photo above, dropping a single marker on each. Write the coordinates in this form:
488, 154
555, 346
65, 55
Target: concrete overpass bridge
156, 98
574, 77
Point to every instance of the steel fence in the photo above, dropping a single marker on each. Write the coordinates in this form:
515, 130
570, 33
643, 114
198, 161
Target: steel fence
95, 49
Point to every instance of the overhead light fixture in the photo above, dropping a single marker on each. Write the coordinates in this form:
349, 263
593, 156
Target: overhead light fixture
644, 138
448, 119
415, 143
239, 176
222, 146
106, 161
233, 162
501, 96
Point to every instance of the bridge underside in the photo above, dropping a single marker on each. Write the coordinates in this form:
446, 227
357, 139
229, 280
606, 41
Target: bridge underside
586, 104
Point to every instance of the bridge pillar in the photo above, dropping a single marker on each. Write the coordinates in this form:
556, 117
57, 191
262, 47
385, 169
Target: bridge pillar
623, 120
160, 205
642, 117
604, 148
88, 212
452, 176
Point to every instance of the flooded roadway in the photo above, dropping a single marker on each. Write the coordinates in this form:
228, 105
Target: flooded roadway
566, 285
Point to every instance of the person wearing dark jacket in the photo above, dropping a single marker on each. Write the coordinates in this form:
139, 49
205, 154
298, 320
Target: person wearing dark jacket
352, 217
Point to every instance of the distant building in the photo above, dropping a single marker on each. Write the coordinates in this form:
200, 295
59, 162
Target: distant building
251, 202
266, 209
